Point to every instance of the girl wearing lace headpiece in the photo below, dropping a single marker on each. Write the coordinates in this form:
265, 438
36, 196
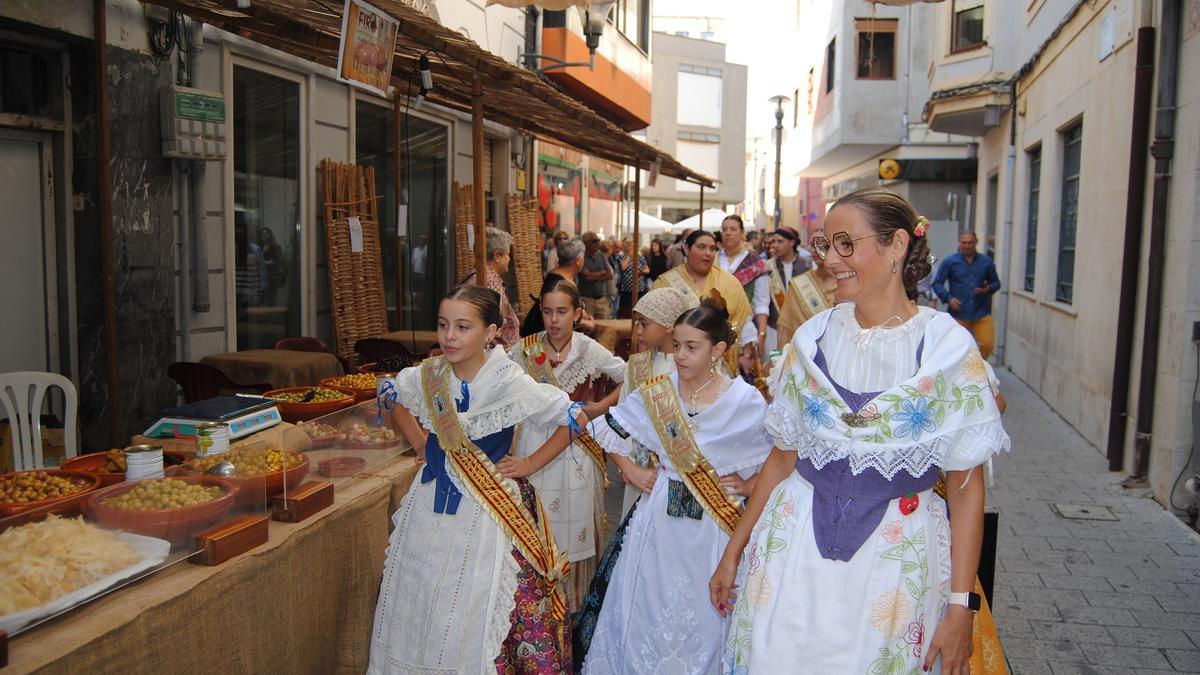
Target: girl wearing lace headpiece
472, 578
846, 560
571, 487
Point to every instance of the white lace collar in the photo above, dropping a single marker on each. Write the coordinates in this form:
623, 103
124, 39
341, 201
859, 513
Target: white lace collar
502, 395
844, 315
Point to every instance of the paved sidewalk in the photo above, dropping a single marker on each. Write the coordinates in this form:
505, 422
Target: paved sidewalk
1086, 596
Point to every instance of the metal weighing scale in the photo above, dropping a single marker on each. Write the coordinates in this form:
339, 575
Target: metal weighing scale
244, 414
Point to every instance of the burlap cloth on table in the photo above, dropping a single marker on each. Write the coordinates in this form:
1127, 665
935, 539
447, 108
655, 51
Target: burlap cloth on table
302, 603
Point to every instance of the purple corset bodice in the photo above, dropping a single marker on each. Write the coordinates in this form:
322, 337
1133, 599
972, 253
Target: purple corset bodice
847, 507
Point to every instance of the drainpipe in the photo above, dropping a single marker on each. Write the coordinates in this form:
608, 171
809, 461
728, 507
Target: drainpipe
185, 260
1135, 203
1006, 238
1162, 150
108, 274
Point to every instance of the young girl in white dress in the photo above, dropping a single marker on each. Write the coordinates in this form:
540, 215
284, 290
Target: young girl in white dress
472, 579
571, 486
845, 560
706, 430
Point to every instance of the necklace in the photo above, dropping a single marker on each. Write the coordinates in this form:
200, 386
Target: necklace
696, 392
558, 353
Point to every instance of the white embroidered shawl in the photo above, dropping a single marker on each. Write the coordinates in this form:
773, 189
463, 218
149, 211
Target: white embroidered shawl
584, 362
944, 415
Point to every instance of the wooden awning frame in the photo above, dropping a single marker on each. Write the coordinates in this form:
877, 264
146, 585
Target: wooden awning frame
513, 96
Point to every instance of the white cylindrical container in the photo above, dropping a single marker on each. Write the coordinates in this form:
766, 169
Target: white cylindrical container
212, 438
143, 461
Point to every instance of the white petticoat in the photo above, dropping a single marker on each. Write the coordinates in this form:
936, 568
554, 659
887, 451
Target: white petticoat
448, 590
875, 613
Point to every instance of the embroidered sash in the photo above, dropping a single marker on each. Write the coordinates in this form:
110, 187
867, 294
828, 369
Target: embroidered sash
675, 434
498, 495
537, 364
641, 368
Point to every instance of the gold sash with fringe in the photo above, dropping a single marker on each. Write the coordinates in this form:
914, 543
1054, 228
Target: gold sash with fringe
537, 364
662, 404
499, 496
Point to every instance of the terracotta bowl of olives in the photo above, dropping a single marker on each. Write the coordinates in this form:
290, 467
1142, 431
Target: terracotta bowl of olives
173, 508
300, 404
25, 490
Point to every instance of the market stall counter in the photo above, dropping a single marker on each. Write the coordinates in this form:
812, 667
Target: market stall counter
302, 599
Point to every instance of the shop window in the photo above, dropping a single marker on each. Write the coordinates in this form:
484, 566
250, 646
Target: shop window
426, 248
830, 55
25, 82
876, 49
1034, 160
966, 30
1072, 144
375, 146
268, 223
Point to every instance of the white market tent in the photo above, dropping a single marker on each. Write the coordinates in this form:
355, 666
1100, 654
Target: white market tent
712, 221
647, 225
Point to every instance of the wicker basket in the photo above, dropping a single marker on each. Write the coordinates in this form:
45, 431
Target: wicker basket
527, 259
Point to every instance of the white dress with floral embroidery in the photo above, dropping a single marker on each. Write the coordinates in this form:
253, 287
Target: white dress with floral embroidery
877, 612
656, 616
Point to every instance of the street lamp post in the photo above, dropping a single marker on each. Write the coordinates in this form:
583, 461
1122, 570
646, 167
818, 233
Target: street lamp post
778, 101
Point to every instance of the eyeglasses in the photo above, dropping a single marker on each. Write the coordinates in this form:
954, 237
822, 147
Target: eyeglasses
841, 242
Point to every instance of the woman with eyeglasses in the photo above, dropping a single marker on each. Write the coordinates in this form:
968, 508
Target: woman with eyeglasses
845, 559
699, 274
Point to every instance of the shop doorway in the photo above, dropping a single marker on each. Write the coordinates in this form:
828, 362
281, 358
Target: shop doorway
28, 287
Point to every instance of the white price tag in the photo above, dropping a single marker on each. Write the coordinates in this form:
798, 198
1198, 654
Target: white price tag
471, 236
355, 235
401, 220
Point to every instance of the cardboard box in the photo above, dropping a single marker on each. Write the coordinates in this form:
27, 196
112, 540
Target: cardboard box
54, 448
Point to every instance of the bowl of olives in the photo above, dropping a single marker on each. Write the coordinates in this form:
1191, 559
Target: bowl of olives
27, 490
259, 472
166, 508
300, 404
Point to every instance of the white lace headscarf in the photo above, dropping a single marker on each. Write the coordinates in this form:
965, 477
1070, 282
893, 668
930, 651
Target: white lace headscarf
664, 305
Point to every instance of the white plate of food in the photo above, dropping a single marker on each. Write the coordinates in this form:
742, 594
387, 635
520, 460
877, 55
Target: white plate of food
54, 564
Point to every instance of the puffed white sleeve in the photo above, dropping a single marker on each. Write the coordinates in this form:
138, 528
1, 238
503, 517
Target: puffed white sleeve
762, 295
407, 385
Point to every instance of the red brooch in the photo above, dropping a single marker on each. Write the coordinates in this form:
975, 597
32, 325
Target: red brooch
909, 503
540, 358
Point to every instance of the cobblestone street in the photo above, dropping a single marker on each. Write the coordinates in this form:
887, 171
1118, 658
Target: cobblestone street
1079, 595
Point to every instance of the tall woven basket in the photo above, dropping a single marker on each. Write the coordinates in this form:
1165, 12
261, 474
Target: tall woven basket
527, 261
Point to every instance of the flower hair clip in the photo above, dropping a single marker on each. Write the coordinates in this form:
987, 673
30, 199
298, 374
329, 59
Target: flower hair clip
921, 227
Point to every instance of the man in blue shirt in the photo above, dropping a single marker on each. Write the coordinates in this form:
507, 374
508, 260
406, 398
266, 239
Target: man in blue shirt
972, 281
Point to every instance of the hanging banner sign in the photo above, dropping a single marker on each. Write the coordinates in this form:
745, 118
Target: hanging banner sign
368, 47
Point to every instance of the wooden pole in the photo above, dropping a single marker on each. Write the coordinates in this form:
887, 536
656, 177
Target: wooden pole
702, 206
480, 208
637, 242
397, 164
108, 275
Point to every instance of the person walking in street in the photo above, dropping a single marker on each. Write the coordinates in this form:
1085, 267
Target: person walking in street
677, 252
595, 272
499, 253
658, 260
972, 280
626, 282
612, 254
844, 540
737, 258
699, 275
473, 579
785, 262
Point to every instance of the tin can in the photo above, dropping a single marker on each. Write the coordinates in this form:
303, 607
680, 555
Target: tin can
212, 438
143, 461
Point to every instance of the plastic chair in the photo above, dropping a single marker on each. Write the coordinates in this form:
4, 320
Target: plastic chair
200, 382
21, 395
311, 344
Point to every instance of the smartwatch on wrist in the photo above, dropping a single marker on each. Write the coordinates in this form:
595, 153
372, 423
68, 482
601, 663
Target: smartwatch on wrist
971, 601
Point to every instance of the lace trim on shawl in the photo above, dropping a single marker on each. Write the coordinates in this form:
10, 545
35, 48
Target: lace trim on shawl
583, 368
966, 448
